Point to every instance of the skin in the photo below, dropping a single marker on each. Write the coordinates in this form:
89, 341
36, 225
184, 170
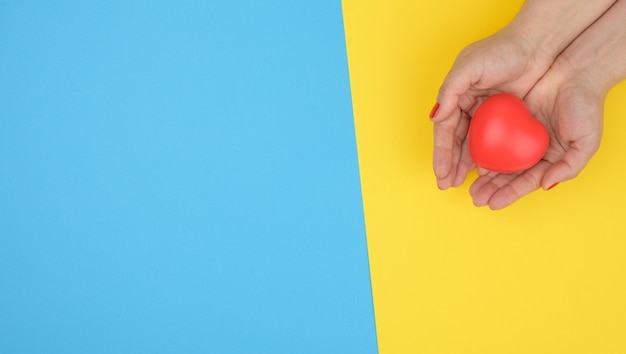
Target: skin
569, 100
562, 58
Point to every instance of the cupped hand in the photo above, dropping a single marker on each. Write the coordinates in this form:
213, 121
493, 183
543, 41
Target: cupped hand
504, 62
571, 108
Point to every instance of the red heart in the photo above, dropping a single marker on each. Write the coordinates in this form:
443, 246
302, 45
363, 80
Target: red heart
504, 137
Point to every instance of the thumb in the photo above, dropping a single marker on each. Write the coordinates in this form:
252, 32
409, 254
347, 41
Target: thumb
583, 112
573, 162
456, 83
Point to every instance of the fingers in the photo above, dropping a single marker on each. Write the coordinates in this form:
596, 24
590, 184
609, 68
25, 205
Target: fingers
522, 185
501, 190
457, 83
464, 166
485, 186
443, 149
451, 162
446, 115
448, 154
482, 171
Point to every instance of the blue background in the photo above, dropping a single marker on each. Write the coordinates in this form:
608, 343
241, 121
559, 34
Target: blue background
179, 177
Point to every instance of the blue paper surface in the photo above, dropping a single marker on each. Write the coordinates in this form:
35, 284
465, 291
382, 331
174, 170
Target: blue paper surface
179, 177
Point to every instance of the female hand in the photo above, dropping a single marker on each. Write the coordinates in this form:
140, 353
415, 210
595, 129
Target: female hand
512, 60
504, 62
571, 108
569, 101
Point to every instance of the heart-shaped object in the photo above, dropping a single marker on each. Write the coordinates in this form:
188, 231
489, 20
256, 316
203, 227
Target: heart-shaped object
504, 137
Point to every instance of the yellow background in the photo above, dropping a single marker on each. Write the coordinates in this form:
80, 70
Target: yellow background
546, 275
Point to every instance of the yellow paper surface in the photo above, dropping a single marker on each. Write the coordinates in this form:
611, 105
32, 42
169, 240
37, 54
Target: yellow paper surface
545, 275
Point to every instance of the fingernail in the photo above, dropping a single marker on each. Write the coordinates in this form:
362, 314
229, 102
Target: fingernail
552, 186
435, 110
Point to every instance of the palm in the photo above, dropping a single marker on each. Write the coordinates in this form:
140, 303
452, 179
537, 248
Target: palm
573, 116
496, 64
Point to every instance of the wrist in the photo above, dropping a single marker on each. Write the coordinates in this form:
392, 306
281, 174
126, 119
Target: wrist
541, 43
550, 26
598, 56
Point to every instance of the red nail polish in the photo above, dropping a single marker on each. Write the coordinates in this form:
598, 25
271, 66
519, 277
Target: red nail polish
435, 110
552, 186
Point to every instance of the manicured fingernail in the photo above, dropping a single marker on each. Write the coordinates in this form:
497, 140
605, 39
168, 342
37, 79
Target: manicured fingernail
435, 110
552, 186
